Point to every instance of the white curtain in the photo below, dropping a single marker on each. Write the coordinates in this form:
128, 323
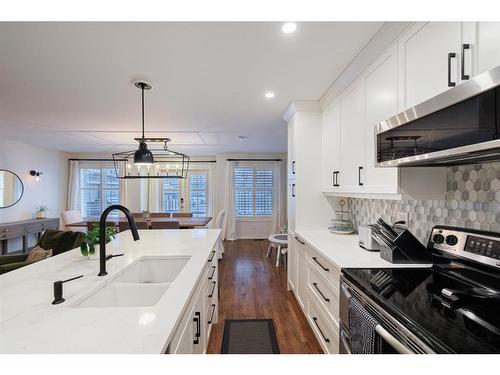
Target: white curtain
211, 193
154, 194
122, 171
277, 199
73, 202
229, 226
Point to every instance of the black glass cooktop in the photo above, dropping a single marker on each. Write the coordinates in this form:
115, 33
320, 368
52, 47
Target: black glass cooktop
468, 322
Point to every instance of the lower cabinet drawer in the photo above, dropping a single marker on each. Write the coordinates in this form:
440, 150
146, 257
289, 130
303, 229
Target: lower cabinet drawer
323, 291
325, 329
324, 267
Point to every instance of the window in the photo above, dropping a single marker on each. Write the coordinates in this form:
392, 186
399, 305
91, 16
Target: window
170, 195
253, 191
99, 189
198, 193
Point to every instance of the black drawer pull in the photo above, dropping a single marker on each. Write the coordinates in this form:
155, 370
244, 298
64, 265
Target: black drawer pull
197, 320
316, 260
212, 315
300, 241
451, 55
293, 167
213, 273
213, 289
319, 291
359, 176
293, 190
319, 329
464, 47
212, 254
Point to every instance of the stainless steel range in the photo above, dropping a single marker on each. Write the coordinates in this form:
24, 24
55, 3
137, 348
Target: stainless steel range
453, 307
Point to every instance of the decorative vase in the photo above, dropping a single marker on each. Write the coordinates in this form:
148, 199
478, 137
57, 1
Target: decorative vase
41, 214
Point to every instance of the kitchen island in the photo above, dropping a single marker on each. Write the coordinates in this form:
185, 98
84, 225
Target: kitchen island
30, 323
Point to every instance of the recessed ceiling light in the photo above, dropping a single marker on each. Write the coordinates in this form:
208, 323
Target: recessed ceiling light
269, 95
289, 27
241, 137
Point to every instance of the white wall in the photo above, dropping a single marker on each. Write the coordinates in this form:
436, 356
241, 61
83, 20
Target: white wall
20, 158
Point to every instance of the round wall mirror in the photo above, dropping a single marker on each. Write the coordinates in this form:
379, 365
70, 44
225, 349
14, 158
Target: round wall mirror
11, 188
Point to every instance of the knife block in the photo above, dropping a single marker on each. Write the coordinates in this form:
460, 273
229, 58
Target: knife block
407, 249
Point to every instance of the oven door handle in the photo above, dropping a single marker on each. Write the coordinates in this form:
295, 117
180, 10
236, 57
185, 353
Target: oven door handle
392, 341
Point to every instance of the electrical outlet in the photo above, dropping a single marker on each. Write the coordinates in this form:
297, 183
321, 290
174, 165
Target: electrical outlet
402, 216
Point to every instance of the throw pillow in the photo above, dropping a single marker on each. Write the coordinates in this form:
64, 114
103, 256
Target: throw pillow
38, 254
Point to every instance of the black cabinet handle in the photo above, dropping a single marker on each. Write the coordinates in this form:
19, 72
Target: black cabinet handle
319, 291
451, 55
464, 47
293, 190
319, 329
316, 260
359, 176
212, 254
300, 241
293, 167
213, 273
212, 315
213, 289
197, 320
335, 178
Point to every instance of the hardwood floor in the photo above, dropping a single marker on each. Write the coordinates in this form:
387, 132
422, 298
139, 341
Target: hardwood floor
251, 287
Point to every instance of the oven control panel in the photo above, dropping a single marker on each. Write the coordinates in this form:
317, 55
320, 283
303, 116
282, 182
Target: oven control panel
483, 247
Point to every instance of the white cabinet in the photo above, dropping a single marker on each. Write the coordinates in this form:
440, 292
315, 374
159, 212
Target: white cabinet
429, 55
301, 273
192, 333
381, 102
292, 165
352, 138
330, 123
487, 47
291, 194
292, 262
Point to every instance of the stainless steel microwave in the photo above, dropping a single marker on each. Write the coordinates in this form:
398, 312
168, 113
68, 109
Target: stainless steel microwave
459, 126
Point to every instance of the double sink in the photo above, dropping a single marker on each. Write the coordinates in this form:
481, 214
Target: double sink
141, 284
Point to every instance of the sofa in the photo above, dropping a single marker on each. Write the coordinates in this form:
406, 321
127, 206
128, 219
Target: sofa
58, 241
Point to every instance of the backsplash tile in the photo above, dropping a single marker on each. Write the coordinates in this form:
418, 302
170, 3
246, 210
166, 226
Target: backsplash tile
472, 201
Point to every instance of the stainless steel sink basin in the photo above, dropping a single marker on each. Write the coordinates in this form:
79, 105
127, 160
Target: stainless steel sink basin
141, 284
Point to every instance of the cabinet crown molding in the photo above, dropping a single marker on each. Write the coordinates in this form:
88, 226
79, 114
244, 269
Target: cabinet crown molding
300, 106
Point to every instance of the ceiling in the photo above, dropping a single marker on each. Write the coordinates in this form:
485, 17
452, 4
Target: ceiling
68, 86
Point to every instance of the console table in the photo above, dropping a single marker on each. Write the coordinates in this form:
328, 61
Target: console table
24, 228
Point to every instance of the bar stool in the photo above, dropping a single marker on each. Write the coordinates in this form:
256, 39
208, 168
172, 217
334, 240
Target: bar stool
280, 241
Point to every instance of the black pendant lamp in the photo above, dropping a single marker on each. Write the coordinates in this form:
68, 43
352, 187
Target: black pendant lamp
143, 156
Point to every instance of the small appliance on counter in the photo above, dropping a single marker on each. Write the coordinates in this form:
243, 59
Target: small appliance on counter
366, 239
343, 223
398, 244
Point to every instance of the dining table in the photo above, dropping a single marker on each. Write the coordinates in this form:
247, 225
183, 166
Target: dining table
184, 222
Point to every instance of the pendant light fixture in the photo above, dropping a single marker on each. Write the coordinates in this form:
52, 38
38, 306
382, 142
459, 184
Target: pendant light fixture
150, 163
143, 156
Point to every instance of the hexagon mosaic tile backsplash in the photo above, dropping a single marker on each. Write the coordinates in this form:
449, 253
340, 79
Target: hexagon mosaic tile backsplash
472, 201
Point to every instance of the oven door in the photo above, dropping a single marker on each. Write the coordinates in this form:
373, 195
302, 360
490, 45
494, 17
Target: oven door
395, 337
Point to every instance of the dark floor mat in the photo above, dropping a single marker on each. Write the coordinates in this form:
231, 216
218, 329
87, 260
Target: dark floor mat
249, 336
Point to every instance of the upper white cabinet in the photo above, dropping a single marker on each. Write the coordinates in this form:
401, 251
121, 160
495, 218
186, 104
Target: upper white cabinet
330, 123
381, 102
430, 56
487, 46
352, 138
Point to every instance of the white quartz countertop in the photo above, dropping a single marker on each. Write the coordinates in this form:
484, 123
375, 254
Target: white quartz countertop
344, 250
29, 323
